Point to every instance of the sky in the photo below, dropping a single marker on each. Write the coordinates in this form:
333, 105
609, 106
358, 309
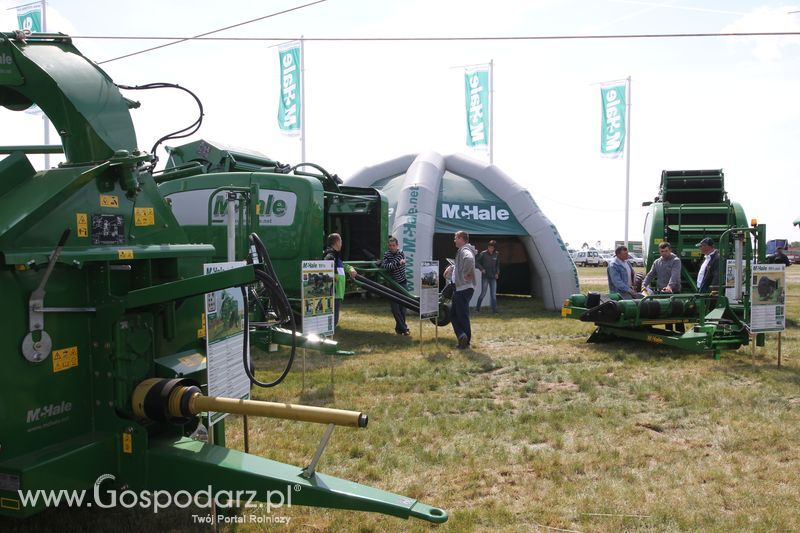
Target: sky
731, 103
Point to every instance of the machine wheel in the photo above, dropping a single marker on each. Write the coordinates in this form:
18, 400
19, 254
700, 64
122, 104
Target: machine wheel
444, 315
637, 281
605, 263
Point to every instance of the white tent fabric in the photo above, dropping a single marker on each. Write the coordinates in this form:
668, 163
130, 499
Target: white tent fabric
554, 276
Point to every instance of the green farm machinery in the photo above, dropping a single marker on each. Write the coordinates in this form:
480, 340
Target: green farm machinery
104, 357
691, 205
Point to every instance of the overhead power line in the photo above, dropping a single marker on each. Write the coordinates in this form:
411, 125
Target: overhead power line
196, 37
435, 38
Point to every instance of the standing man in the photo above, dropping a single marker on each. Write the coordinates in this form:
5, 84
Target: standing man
708, 276
334, 253
488, 262
462, 273
620, 275
779, 258
666, 270
394, 260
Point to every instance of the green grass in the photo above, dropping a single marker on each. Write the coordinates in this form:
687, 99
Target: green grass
534, 427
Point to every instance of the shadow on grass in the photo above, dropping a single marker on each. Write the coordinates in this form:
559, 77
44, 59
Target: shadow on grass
620, 349
481, 359
320, 397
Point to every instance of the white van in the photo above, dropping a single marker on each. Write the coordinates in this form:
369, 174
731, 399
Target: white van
588, 258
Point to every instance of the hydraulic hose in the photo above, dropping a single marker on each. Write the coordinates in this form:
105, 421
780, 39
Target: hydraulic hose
387, 292
280, 303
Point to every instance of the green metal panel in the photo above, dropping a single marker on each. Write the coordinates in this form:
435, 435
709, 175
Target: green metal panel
74, 93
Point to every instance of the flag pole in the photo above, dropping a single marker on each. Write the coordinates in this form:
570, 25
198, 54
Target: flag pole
627, 158
44, 117
302, 100
491, 111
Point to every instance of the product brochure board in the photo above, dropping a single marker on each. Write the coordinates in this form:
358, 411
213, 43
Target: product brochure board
429, 289
730, 282
224, 341
767, 298
317, 280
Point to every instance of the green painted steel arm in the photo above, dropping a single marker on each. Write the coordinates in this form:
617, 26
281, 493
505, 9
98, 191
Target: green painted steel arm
232, 470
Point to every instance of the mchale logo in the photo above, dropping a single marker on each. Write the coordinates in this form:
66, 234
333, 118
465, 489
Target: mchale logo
473, 212
5, 59
48, 411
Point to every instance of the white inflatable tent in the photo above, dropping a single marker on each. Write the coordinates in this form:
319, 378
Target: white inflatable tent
431, 196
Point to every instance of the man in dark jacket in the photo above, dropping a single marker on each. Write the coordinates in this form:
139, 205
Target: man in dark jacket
394, 260
708, 275
488, 261
334, 253
779, 258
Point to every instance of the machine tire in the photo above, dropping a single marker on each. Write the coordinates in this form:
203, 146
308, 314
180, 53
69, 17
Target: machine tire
638, 278
444, 315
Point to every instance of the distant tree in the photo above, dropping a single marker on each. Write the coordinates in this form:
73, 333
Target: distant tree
795, 244
584, 246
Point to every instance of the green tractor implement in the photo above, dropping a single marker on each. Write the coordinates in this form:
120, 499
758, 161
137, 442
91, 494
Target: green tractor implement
103, 290
691, 205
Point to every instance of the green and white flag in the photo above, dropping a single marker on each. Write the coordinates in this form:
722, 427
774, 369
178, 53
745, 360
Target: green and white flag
613, 132
289, 107
476, 89
30, 18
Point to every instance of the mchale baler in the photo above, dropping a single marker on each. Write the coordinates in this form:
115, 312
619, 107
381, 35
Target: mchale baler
103, 350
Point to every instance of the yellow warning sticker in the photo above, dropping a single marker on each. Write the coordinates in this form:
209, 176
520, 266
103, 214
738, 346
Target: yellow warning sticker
566, 311
202, 331
65, 358
109, 200
143, 216
125, 254
10, 503
127, 443
82, 222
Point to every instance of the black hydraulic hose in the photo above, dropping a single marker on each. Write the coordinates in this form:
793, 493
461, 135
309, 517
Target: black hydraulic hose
179, 134
379, 290
280, 302
388, 290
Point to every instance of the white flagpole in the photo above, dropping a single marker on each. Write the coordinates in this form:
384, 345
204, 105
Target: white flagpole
627, 158
491, 111
302, 101
44, 117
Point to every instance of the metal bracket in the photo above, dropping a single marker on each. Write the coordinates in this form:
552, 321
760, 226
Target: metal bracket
310, 470
36, 345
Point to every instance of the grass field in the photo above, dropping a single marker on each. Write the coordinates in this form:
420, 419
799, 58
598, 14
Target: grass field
533, 429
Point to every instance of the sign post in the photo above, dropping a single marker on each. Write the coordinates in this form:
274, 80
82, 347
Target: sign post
428, 296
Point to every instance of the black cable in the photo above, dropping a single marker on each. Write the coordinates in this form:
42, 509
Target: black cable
179, 134
180, 40
280, 302
434, 38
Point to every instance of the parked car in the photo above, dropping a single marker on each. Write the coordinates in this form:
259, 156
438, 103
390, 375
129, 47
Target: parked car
635, 260
605, 259
588, 258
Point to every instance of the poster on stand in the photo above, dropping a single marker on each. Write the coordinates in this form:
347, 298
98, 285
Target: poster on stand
428, 289
768, 298
317, 281
224, 340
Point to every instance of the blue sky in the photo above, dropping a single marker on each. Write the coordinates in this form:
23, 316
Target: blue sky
729, 103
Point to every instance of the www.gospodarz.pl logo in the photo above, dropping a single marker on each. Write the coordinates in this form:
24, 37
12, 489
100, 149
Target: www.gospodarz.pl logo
105, 497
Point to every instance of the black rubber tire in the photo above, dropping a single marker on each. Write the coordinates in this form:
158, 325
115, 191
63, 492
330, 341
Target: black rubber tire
638, 278
444, 315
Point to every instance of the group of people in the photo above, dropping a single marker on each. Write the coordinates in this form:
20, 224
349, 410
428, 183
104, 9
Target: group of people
666, 271
461, 274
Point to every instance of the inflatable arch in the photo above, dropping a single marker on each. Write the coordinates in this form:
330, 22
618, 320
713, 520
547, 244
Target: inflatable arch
431, 196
